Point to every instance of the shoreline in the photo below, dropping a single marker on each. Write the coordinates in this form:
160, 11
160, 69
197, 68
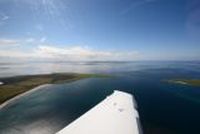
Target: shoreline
16, 87
188, 82
1, 83
6, 103
181, 82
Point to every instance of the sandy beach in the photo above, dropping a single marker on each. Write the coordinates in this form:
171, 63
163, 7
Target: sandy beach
22, 95
1, 83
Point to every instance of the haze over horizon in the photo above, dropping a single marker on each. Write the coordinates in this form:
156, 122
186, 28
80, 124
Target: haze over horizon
99, 30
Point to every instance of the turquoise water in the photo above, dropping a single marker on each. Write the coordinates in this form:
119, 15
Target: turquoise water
164, 108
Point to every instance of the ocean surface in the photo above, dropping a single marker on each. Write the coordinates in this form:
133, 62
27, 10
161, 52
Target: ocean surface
164, 108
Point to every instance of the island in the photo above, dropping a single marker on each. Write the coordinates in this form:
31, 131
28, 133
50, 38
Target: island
13, 86
190, 82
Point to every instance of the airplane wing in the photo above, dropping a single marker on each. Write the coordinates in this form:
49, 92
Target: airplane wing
116, 114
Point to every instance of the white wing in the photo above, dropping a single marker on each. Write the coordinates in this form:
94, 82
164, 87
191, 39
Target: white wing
114, 115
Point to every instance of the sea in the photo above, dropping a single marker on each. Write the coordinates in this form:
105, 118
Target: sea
164, 108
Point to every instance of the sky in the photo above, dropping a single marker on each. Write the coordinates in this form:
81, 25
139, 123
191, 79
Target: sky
105, 30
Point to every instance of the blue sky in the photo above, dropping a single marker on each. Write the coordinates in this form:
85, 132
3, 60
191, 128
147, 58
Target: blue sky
100, 29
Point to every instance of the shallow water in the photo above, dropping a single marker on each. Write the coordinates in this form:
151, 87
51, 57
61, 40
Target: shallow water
163, 108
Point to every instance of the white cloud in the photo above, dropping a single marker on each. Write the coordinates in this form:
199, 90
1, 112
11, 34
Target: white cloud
39, 27
43, 39
83, 53
6, 42
13, 42
14, 54
30, 40
3, 18
134, 5
77, 53
25, 41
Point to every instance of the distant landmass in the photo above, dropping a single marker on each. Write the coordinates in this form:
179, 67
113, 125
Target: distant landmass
13, 86
190, 82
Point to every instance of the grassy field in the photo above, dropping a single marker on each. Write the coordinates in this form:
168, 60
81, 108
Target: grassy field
14, 86
191, 82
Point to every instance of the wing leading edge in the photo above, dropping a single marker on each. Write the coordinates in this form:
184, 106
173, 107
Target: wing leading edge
116, 114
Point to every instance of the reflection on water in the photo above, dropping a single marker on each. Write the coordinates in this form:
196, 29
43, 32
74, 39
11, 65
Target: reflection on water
51, 108
164, 108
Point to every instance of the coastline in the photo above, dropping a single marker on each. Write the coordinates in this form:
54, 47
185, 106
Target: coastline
188, 82
6, 103
1, 83
13, 88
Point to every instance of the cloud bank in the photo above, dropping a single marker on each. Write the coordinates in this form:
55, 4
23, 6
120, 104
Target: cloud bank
8, 42
77, 53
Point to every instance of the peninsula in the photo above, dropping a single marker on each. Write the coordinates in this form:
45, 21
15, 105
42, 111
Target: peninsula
13, 86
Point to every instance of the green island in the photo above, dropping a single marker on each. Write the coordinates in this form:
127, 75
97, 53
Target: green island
13, 86
190, 82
